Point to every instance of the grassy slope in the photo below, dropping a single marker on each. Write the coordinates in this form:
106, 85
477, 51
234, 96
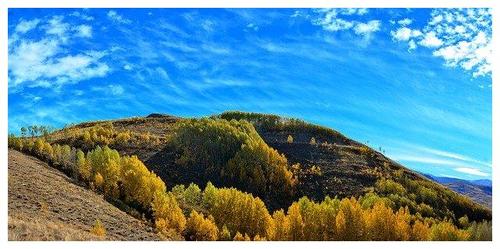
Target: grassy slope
44, 204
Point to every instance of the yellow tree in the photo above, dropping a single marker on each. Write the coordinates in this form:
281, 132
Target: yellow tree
296, 222
83, 166
167, 213
281, 226
420, 231
200, 228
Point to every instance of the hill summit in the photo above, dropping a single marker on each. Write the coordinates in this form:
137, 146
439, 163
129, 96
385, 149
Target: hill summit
248, 150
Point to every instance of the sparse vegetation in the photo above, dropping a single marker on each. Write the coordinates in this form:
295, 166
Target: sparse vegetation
98, 229
313, 141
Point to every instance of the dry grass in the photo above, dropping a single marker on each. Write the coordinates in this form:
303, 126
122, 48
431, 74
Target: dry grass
44, 204
36, 229
98, 229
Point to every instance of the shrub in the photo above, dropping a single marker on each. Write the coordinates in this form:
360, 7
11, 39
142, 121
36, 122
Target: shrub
365, 151
98, 229
481, 231
122, 137
446, 231
224, 234
98, 181
463, 221
240, 237
200, 228
313, 141
387, 186
193, 195
420, 231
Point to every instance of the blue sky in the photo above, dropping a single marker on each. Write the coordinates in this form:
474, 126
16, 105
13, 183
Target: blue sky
416, 82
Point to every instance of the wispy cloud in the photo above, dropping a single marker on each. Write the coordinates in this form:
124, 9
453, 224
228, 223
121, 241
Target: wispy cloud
84, 31
117, 18
471, 171
24, 26
410, 153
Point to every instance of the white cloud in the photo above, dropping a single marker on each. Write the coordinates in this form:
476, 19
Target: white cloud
353, 11
367, 28
430, 40
116, 89
252, 26
461, 37
334, 20
57, 27
84, 31
412, 45
46, 62
112, 89
81, 16
469, 54
405, 22
471, 171
208, 25
424, 159
127, 67
452, 155
25, 26
115, 17
405, 34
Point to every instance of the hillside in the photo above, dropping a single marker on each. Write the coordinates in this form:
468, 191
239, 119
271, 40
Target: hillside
44, 204
478, 190
332, 165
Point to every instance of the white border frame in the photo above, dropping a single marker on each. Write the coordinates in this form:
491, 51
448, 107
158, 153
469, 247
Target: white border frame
5, 4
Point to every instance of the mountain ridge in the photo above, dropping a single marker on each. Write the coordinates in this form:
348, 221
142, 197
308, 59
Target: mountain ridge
478, 190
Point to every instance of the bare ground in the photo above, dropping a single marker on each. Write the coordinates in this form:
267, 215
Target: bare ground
44, 204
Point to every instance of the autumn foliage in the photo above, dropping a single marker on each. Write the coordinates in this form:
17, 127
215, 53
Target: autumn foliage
397, 209
231, 153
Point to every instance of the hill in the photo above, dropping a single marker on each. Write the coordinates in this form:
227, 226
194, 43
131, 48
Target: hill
323, 161
44, 204
478, 190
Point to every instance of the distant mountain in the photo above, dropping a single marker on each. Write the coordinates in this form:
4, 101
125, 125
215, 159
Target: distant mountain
478, 190
483, 182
